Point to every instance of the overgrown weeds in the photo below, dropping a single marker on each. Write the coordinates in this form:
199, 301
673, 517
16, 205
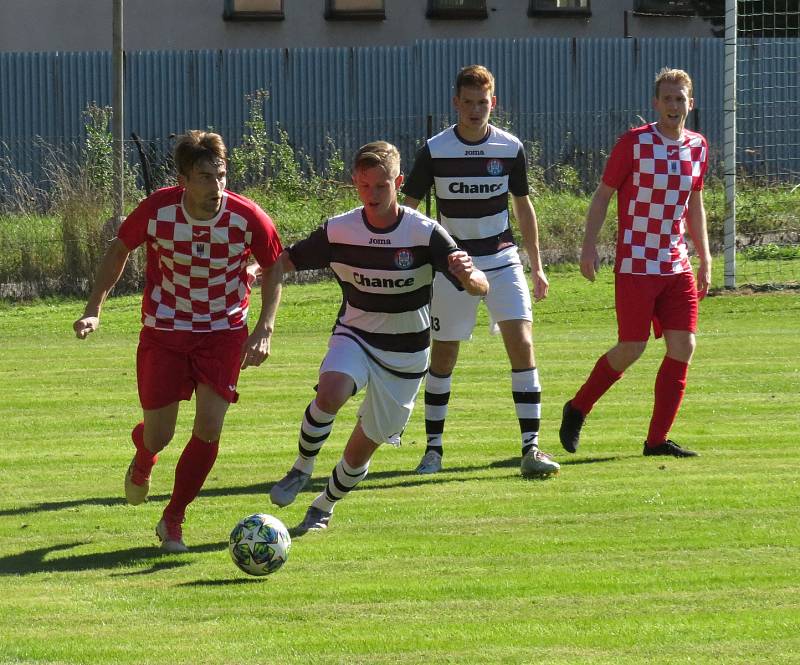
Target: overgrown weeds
53, 235
54, 229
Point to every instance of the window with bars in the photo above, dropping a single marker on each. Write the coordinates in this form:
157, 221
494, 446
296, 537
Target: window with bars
253, 10
456, 9
355, 9
560, 8
664, 7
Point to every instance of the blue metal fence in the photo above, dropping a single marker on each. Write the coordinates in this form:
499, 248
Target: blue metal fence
570, 97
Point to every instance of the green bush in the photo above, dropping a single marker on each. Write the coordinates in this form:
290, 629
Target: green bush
62, 245
57, 243
772, 252
248, 161
297, 215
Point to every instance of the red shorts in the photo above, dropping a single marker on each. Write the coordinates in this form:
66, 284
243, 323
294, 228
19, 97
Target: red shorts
669, 302
170, 364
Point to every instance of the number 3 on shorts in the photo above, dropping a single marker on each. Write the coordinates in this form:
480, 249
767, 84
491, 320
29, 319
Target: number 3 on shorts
435, 323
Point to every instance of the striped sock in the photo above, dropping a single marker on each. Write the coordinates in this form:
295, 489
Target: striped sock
437, 397
315, 430
343, 478
527, 394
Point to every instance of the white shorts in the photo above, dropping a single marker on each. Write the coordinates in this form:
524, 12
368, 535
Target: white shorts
454, 312
389, 399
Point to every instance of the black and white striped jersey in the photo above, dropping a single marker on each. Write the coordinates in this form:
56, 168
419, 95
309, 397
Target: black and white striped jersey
472, 183
386, 277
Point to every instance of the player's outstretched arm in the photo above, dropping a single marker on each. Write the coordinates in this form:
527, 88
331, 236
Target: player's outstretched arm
696, 226
590, 260
473, 280
529, 228
256, 348
108, 273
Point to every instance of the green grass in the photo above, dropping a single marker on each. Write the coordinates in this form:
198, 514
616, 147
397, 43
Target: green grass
771, 251
27, 244
42, 249
296, 216
620, 559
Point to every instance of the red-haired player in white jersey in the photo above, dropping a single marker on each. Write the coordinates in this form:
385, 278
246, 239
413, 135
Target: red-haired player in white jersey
199, 239
657, 172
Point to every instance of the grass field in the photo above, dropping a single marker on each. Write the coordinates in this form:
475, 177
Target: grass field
619, 559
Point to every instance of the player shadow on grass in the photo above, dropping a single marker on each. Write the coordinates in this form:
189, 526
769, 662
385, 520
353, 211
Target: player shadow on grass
317, 485
42, 560
233, 581
47, 506
573, 461
413, 479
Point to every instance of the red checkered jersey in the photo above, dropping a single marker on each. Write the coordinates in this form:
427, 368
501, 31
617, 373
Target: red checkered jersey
196, 277
654, 177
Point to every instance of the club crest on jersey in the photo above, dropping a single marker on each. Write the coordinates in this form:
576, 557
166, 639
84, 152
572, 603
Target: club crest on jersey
494, 167
201, 249
403, 258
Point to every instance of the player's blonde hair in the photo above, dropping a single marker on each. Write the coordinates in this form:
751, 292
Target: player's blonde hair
378, 153
673, 76
198, 146
474, 76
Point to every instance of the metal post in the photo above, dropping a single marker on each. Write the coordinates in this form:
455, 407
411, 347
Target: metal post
117, 61
729, 150
428, 134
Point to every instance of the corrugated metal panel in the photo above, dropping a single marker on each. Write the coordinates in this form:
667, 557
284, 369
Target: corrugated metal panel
768, 112
42, 100
568, 97
572, 97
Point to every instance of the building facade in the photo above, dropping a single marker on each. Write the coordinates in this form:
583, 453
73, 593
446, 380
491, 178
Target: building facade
85, 25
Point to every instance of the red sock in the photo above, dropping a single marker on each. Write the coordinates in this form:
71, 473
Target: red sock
197, 460
603, 376
144, 458
669, 389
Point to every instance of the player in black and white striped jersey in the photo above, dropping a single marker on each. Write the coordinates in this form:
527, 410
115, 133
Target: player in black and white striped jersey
473, 167
384, 257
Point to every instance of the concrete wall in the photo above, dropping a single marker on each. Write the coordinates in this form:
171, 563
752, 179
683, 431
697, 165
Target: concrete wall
85, 25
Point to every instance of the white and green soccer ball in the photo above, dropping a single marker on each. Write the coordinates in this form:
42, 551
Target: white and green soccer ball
259, 544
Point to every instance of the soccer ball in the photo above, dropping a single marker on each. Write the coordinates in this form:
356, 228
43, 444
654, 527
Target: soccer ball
259, 544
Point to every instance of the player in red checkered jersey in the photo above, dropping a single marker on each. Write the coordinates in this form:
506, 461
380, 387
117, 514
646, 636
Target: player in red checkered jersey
657, 172
199, 239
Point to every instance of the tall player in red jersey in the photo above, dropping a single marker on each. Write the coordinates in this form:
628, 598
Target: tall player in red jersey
657, 172
194, 339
